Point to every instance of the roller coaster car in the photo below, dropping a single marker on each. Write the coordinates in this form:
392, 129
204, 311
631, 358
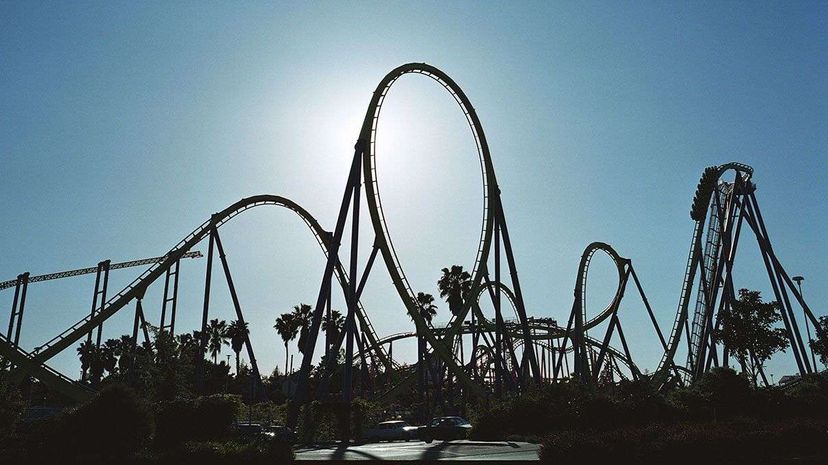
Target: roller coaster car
445, 428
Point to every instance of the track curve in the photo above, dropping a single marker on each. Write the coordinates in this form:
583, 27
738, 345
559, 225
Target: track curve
581, 283
701, 202
367, 137
136, 289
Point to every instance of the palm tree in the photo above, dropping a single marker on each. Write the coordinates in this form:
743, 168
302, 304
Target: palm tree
110, 351
333, 323
86, 352
216, 337
426, 309
127, 353
302, 315
287, 327
455, 285
237, 332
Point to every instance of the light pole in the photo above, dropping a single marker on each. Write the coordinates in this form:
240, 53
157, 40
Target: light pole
226, 379
799, 280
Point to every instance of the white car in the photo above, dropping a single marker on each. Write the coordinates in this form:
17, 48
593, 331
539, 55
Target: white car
396, 430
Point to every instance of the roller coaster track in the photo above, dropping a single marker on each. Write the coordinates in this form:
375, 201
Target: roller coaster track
383, 236
546, 334
492, 211
581, 284
34, 363
523, 331
703, 197
54, 379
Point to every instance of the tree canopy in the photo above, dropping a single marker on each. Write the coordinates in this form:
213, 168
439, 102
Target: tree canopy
747, 329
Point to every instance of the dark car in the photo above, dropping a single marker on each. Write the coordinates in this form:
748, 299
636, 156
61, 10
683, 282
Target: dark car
444, 428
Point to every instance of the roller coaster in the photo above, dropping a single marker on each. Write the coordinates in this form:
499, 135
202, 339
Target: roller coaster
507, 355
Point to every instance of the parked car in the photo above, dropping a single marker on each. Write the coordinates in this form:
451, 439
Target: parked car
250, 431
396, 430
280, 433
445, 428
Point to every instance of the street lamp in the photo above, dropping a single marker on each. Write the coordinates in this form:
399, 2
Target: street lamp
226, 379
799, 280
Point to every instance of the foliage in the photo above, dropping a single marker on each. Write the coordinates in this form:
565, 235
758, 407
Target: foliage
264, 452
809, 397
114, 424
330, 420
747, 329
735, 441
287, 326
333, 325
820, 344
425, 306
454, 286
237, 332
205, 418
216, 337
724, 392
302, 314
11, 406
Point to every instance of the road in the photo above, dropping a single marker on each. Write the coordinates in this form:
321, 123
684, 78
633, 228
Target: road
418, 450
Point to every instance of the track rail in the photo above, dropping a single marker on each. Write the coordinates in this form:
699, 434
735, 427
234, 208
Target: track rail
32, 363
52, 378
368, 135
701, 203
581, 283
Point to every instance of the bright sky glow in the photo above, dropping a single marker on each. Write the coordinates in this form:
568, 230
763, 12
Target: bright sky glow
125, 125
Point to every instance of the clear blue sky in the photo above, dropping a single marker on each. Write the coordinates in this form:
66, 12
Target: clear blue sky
123, 125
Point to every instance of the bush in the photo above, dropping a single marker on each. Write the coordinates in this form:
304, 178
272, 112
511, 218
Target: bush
115, 424
809, 397
728, 394
200, 419
233, 452
11, 407
736, 441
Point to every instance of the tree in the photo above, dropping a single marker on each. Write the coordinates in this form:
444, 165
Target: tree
237, 332
86, 351
455, 285
333, 325
426, 309
216, 337
302, 315
126, 354
287, 327
820, 344
747, 330
110, 351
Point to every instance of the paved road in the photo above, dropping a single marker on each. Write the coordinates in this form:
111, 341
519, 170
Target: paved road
437, 450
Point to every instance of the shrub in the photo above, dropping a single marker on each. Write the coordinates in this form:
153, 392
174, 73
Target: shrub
11, 407
115, 424
735, 441
204, 418
809, 397
232, 453
727, 393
